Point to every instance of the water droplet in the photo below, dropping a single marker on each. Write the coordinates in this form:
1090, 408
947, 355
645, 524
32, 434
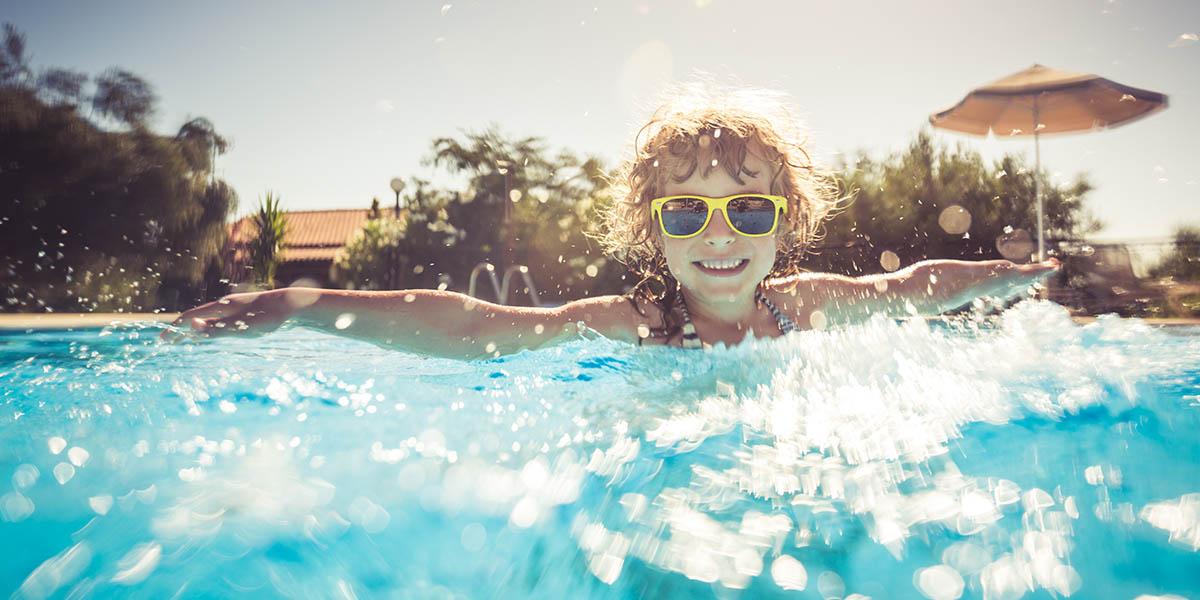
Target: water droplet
817, 320
789, 573
1184, 39
490, 347
56, 444
514, 195
889, 260
63, 472
15, 507
101, 504
25, 476
78, 456
939, 583
592, 271
643, 330
410, 297
830, 585
473, 537
954, 220
525, 513
344, 320
446, 9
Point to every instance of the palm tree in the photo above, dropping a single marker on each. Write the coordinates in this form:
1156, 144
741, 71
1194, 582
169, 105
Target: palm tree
202, 145
271, 225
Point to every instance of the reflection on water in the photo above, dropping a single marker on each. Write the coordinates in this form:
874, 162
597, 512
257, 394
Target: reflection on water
1024, 456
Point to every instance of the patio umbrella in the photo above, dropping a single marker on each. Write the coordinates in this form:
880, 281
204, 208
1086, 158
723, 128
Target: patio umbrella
1040, 100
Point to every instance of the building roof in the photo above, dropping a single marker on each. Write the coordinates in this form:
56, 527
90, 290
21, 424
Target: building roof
312, 235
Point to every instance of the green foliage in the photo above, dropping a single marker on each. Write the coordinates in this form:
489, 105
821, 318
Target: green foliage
270, 230
371, 259
14, 65
100, 220
522, 204
1183, 262
905, 204
124, 98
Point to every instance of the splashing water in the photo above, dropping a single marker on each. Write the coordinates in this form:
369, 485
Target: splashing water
1024, 455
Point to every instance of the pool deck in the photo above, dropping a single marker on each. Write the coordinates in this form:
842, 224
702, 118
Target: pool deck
62, 321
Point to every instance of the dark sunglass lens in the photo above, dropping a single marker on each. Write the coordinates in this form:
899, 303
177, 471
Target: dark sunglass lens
752, 215
684, 216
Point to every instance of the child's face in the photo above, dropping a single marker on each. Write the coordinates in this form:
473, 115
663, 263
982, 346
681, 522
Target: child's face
718, 241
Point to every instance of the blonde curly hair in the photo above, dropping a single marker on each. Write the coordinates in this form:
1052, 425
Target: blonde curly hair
700, 122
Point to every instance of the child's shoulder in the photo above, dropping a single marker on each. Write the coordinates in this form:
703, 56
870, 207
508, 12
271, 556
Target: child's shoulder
619, 317
799, 295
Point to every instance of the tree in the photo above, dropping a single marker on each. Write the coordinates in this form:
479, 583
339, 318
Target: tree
524, 205
14, 65
96, 219
367, 260
270, 225
930, 201
62, 86
202, 144
124, 98
1183, 261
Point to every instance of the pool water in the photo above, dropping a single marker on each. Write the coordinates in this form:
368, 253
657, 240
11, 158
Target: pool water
1022, 456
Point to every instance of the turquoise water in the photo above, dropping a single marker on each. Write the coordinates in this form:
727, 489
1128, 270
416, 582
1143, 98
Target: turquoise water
1020, 457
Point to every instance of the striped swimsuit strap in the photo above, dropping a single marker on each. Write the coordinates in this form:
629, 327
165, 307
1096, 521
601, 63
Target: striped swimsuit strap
691, 339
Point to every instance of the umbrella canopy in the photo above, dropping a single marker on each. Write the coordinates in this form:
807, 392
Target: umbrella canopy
1062, 101
1040, 100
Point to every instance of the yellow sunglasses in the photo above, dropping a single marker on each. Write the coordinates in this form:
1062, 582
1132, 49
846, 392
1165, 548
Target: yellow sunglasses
752, 215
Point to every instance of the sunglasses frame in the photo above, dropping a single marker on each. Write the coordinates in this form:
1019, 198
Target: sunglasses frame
715, 204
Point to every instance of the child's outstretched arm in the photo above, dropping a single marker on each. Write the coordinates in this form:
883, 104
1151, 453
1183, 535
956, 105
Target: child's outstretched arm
425, 321
929, 287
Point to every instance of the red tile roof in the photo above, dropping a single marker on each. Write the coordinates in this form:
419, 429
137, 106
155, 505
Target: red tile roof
312, 235
308, 228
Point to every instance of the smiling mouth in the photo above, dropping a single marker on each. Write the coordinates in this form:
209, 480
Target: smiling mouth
724, 267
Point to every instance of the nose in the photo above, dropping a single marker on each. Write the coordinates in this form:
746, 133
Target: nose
718, 234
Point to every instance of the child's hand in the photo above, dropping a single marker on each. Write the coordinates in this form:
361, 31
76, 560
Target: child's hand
1037, 271
253, 313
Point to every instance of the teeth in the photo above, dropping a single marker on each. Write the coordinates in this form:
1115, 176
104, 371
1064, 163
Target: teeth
722, 264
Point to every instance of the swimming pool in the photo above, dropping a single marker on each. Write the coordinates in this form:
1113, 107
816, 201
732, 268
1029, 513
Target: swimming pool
1023, 456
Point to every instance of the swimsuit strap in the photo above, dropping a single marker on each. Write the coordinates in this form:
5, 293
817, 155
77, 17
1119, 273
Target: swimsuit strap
691, 339
785, 323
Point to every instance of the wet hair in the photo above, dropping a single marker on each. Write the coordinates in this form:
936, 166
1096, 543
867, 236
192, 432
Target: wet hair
708, 127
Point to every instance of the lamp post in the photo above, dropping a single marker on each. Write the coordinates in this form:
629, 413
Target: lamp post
397, 186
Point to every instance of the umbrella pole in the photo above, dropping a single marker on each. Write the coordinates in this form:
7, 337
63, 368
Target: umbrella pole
1037, 186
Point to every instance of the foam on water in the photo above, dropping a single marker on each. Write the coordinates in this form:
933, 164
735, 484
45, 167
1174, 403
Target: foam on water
884, 460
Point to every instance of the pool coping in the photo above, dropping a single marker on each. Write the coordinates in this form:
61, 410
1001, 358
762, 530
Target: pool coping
62, 321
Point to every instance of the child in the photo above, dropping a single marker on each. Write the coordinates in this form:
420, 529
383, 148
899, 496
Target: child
713, 213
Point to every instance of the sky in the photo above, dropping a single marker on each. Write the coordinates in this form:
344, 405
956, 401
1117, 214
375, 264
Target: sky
325, 102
